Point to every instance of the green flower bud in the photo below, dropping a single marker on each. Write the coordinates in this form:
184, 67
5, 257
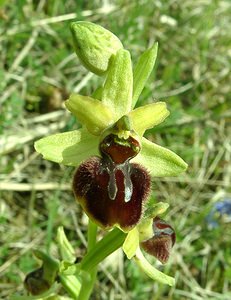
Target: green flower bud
41, 280
35, 282
94, 45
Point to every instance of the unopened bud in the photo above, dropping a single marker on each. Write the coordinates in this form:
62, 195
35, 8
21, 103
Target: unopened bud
94, 45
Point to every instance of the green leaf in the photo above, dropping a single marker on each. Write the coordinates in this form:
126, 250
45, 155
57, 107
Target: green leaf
69, 148
131, 243
65, 247
94, 45
90, 112
117, 90
107, 245
151, 271
143, 70
159, 161
145, 117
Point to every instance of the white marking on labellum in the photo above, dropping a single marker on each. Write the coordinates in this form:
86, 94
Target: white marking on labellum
128, 188
112, 186
110, 168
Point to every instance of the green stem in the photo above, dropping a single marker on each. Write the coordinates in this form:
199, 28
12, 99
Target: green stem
107, 245
71, 284
89, 280
91, 235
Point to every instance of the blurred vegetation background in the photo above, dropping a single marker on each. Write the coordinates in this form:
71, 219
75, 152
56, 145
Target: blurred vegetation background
38, 70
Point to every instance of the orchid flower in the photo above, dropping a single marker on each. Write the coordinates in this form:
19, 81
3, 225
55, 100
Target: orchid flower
115, 162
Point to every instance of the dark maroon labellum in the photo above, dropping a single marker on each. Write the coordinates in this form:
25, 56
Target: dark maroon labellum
110, 189
111, 194
162, 242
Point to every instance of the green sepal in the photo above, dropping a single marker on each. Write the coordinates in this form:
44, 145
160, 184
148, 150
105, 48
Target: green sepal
67, 277
66, 250
50, 266
69, 148
117, 90
152, 272
143, 70
153, 210
90, 112
94, 45
148, 116
145, 229
131, 243
159, 161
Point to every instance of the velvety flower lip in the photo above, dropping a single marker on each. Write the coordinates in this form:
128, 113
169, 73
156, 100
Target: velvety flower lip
111, 197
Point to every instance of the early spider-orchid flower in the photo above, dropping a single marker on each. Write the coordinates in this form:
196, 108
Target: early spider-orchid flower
115, 162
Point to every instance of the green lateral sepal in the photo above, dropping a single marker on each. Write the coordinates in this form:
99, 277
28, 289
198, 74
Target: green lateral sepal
71, 284
69, 148
91, 112
159, 161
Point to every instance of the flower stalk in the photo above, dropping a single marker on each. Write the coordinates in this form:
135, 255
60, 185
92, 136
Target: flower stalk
89, 281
